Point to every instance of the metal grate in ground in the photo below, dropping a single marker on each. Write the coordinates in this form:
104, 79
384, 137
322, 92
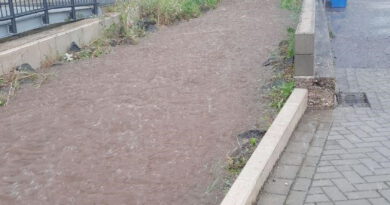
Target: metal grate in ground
353, 99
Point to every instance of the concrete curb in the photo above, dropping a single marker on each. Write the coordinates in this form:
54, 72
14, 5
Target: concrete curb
305, 40
323, 53
39, 48
248, 184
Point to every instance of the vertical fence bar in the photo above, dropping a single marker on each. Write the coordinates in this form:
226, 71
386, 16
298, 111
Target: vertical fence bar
25, 5
16, 7
73, 11
13, 19
1, 10
95, 7
46, 12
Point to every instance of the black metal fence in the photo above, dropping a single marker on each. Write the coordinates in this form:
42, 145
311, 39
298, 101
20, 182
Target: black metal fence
13, 9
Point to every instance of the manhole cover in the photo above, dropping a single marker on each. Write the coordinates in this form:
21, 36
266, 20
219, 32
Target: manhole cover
354, 99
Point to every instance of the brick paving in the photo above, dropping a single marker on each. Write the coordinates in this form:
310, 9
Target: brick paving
342, 157
354, 165
292, 177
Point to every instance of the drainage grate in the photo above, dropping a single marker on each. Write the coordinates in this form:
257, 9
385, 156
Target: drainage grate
354, 99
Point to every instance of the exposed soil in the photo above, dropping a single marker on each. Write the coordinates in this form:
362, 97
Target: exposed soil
321, 92
247, 143
145, 124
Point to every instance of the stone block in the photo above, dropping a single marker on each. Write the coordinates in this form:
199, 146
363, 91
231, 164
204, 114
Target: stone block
304, 65
304, 44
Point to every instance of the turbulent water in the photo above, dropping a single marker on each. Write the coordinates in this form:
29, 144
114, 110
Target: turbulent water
146, 124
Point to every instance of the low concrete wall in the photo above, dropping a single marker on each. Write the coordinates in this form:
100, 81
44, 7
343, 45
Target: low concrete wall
305, 40
248, 184
314, 62
48, 45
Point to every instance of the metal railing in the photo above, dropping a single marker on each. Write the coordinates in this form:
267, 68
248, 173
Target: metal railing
13, 9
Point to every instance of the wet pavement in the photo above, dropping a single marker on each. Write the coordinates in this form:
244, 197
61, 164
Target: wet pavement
362, 34
342, 157
145, 124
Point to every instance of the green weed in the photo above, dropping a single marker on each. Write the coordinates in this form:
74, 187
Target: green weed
253, 141
95, 49
190, 9
235, 165
208, 4
291, 42
129, 15
3, 101
280, 94
163, 11
292, 5
169, 11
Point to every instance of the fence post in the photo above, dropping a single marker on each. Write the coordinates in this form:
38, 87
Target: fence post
13, 19
46, 12
73, 11
95, 7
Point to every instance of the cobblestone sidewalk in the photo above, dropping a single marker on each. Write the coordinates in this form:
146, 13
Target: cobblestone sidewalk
343, 157
354, 167
292, 176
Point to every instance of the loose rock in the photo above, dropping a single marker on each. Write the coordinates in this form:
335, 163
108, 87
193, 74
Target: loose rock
74, 47
25, 67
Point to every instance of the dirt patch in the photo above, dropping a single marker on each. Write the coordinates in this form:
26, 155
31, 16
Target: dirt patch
144, 124
321, 92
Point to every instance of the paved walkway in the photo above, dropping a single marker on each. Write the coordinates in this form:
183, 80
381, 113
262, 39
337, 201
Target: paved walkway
343, 157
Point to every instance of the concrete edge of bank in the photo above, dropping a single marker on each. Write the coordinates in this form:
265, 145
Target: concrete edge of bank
37, 49
252, 177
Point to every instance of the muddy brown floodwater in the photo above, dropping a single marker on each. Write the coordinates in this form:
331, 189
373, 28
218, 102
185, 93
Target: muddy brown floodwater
146, 124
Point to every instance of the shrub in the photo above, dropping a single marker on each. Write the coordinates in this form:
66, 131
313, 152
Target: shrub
190, 9
168, 11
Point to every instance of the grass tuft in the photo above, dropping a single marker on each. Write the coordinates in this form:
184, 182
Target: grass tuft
190, 9
169, 11
134, 17
280, 94
12, 81
253, 141
291, 42
292, 5
3, 100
